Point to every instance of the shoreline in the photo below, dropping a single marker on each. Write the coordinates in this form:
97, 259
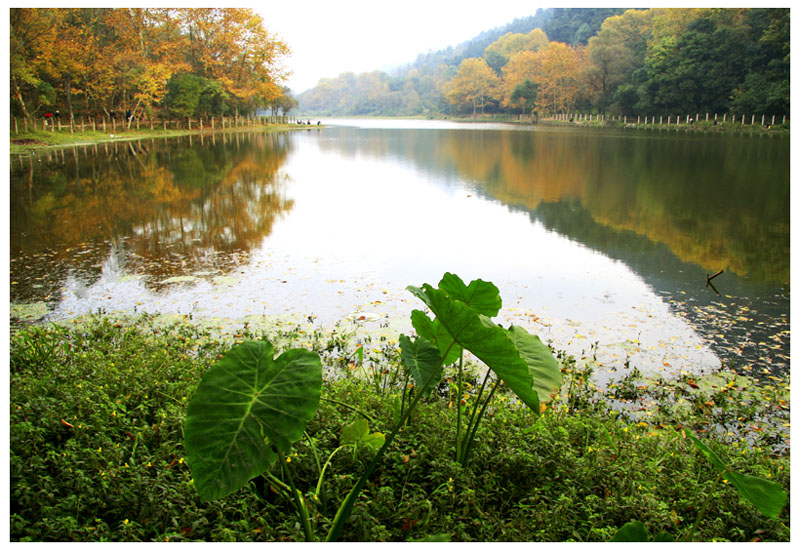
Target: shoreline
704, 127
39, 140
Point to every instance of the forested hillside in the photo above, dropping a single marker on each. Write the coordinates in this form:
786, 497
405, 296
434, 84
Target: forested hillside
612, 61
179, 62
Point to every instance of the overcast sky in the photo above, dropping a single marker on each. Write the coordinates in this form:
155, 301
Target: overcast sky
329, 38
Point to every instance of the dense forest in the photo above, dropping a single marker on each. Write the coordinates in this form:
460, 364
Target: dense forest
612, 61
172, 62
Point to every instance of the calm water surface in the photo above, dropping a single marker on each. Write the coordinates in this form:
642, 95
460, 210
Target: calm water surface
599, 240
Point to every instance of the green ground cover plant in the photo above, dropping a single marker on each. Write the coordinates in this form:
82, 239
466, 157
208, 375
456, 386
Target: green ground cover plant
97, 409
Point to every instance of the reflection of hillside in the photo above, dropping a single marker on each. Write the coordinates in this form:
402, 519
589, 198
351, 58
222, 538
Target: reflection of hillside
720, 202
173, 207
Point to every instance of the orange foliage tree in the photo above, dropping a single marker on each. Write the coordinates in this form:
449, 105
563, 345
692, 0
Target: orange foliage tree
122, 59
474, 85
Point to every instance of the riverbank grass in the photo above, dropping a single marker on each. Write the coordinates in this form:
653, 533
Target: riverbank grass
97, 408
32, 140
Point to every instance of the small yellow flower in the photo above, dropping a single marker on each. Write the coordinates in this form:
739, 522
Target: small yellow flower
125, 522
289, 459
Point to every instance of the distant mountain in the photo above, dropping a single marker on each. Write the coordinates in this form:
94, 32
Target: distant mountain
415, 89
474, 47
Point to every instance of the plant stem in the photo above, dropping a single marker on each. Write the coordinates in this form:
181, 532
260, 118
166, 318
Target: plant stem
458, 404
348, 406
702, 510
318, 491
471, 437
299, 506
460, 450
347, 505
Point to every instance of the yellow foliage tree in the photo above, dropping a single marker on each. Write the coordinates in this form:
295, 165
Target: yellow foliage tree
474, 85
559, 80
232, 46
524, 65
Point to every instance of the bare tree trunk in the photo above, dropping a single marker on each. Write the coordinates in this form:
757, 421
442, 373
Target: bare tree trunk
133, 113
68, 90
19, 98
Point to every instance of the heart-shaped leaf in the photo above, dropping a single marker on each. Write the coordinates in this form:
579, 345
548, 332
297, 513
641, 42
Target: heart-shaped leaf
488, 342
423, 361
543, 366
433, 331
482, 296
246, 402
357, 433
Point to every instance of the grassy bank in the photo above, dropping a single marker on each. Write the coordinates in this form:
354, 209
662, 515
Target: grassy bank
699, 126
97, 410
32, 140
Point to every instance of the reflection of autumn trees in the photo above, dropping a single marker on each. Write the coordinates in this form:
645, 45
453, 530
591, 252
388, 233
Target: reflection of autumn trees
658, 188
695, 196
170, 207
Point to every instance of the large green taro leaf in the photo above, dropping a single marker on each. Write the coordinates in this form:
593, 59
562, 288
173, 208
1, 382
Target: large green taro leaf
543, 366
766, 495
433, 331
482, 296
488, 342
423, 360
246, 402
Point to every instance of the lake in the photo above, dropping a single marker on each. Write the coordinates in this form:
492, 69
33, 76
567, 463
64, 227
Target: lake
600, 240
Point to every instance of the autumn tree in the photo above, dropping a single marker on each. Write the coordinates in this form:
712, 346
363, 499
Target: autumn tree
231, 46
31, 37
523, 66
284, 103
559, 78
474, 85
499, 52
617, 50
123, 59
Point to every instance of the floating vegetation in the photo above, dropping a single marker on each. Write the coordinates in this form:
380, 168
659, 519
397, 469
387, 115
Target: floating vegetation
29, 312
179, 279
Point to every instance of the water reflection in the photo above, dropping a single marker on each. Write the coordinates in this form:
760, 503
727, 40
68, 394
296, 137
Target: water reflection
158, 208
716, 201
592, 236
